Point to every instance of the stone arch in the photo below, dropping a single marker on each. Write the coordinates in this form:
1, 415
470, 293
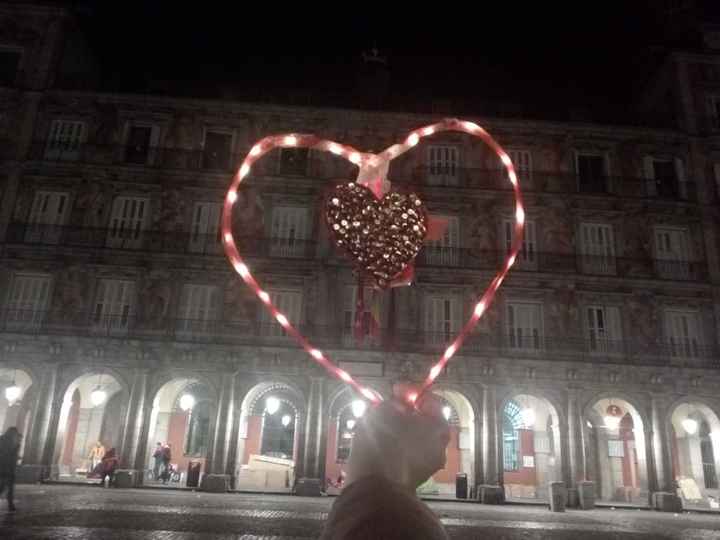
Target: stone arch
86, 418
532, 443
186, 428
17, 413
270, 444
694, 432
617, 447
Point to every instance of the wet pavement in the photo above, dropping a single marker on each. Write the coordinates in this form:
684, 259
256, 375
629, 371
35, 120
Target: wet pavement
79, 512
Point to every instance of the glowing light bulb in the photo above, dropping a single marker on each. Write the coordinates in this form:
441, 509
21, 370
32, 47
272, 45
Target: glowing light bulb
187, 402
446, 411
12, 393
272, 405
358, 408
286, 419
690, 426
350, 424
98, 397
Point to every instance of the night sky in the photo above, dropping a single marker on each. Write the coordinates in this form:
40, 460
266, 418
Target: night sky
537, 57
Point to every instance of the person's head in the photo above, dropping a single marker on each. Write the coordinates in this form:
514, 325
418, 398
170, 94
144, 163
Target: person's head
159, 444
110, 453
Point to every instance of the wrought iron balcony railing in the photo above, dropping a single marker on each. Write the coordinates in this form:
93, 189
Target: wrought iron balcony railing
425, 176
487, 345
430, 256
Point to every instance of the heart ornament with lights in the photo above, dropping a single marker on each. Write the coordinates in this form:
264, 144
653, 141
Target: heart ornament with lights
382, 230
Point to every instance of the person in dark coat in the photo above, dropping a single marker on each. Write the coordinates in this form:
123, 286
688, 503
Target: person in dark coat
109, 465
9, 450
166, 457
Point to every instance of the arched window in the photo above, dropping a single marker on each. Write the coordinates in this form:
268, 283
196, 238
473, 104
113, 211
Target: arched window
198, 432
512, 421
278, 433
708, 457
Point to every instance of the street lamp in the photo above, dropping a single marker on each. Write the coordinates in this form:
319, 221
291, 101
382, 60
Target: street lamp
690, 426
12, 393
528, 417
98, 396
358, 408
272, 405
187, 402
286, 419
446, 412
350, 424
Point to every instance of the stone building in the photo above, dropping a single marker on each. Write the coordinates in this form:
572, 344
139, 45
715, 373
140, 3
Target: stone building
122, 321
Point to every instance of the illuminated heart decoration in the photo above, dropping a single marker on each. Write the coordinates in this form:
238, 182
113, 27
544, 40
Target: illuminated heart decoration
371, 175
382, 236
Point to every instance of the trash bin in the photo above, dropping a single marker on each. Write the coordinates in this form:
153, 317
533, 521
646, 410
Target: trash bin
461, 486
193, 474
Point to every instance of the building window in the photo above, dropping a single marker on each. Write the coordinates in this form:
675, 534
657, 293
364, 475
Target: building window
522, 161
141, 142
672, 253
527, 257
205, 232
289, 231
362, 327
444, 251
603, 334
707, 456
9, 64
592, 173
217, 150
114, 306
199, 308
128, 222
442, 317
198, 430
666, 178
294, 161
512, 421
28, 301
65, 139
524, 326
47, 217
287, 302
598, 248
278, 432
682, 330
443, 167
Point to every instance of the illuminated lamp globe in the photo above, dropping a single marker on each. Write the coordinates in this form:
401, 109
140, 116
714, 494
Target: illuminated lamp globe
528, 417
447, 412
690, 426
612, 422
98, 397
187, 402
286, 419
272, 405
12, 393
358, 408
350, 424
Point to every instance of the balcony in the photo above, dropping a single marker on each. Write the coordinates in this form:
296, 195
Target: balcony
154, 241
549, 182
253, 333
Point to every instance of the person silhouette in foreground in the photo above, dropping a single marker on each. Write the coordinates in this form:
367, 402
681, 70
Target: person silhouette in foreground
395, 449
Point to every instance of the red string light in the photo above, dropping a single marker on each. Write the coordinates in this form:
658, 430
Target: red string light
364, 161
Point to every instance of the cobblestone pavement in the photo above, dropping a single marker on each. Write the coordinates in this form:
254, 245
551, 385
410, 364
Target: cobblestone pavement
77, 513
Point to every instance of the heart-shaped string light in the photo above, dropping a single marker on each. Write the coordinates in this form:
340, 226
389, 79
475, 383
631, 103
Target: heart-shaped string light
370, 175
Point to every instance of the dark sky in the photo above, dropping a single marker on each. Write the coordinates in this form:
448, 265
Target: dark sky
519, 52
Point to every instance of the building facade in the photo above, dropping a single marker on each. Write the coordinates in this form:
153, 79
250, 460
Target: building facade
123, 323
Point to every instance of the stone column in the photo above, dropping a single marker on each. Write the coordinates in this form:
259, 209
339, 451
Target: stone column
575, 446
40, 438
217, 479
135, 421
660, 480
313, 465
